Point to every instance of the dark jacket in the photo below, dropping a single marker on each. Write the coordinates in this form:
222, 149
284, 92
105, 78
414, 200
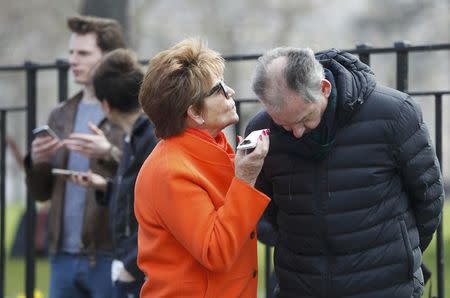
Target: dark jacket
44, 186
120, 194
355, 222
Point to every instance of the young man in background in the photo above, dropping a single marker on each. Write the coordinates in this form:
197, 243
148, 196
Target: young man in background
79, 239
116, 82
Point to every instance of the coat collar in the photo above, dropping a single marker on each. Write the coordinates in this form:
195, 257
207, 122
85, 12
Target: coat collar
140, 124
201, 145
354, 81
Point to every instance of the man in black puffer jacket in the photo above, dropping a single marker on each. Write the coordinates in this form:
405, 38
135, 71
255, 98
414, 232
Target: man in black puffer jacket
355, 184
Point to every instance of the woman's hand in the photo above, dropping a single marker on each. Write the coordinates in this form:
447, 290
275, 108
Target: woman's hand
89, 179
249, 164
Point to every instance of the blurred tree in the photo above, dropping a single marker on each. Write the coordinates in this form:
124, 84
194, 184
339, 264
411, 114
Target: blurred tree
415, 21
386, 19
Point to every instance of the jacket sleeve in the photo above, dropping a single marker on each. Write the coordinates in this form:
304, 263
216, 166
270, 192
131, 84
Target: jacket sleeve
115, 136
267, 233
113, 159
103, 197
39, 178
419, 170
213, 236
130, 259
267, 225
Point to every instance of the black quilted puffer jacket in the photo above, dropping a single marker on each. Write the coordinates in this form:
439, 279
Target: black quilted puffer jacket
354, 223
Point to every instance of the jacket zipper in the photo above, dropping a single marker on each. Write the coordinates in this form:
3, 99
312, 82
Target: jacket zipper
115, 206
127, 218
324, 195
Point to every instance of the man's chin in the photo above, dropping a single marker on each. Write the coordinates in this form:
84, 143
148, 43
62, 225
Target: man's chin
80, 81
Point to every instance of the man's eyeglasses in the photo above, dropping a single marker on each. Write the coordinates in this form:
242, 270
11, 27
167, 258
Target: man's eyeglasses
220, 86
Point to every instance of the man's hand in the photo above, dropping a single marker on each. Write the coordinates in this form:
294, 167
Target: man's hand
89, 179
118, 272
93, 145
43, 148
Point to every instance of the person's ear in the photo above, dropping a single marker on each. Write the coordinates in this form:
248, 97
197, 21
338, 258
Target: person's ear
105, 107
195, 116
326, 88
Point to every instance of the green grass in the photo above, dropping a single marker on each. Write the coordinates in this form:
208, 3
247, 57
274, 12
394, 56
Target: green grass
261, 270
15, 268
429, 257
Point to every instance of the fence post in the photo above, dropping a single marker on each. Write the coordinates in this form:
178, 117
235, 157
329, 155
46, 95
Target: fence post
402, 65
63, 73
237, 126
364, 57
268, 258
439, 232
31, 81
2, 200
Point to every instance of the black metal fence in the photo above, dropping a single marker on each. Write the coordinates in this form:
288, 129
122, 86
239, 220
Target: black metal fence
402, 51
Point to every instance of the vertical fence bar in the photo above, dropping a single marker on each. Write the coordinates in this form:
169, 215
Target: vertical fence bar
439, 232
63, 74
237, 126
402, 65
2, 200
268, 270
364, 57
31, 82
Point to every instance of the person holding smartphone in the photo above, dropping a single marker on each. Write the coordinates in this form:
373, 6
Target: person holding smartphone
195, 200
116, 82
79, 240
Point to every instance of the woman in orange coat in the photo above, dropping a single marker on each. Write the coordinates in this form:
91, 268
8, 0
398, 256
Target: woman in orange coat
194, 198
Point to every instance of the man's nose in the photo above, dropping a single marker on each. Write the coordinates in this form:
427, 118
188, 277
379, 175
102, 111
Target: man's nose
298, 132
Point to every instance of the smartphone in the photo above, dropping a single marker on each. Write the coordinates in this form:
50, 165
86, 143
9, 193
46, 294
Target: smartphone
65, 172
250, 141
45, 131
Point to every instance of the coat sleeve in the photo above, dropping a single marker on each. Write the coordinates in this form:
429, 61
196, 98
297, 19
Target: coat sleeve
267, 232
104, 197
267, 225
130, 258
419, 169
39, 178
214, 236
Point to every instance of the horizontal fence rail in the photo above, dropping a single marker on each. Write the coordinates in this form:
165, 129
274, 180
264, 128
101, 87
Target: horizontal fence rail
31, 69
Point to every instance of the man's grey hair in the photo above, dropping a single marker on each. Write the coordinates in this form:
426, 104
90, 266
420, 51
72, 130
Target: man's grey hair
301, 73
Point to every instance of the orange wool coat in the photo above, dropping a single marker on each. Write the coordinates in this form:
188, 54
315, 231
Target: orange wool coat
196, 220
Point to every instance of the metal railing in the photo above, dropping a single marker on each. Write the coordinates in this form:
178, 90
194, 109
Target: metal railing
31, 69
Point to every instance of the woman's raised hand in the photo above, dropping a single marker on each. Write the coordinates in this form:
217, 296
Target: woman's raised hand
248, 163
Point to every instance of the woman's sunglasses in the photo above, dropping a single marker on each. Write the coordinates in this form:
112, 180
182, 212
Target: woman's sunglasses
219, 86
